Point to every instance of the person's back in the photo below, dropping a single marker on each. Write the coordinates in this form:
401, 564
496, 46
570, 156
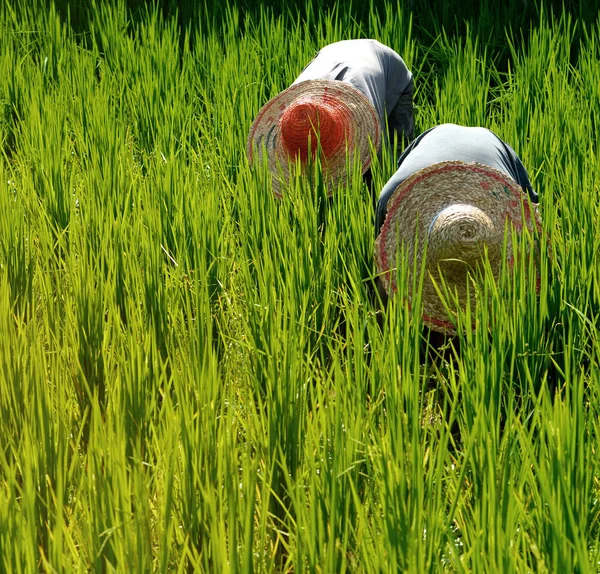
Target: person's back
451, 142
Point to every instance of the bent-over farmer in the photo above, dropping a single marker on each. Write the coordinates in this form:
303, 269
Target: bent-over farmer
344, 98
454, 189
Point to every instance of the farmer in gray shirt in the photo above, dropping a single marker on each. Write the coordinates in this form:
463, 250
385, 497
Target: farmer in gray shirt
354, 93
447, 208
379, 73
450, 142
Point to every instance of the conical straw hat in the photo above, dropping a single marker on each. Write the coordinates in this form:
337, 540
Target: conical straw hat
335, 114
459, 210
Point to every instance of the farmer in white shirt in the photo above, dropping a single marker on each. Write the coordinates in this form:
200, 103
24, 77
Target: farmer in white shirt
352, 94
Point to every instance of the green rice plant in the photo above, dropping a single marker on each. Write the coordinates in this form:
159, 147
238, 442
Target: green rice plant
198, 376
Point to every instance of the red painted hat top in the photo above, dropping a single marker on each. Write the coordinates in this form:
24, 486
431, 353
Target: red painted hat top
312, 118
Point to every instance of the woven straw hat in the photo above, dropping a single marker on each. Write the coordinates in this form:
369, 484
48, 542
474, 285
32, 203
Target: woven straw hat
460, 210
333, 112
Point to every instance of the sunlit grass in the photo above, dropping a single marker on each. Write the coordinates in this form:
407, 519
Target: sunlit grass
198, 376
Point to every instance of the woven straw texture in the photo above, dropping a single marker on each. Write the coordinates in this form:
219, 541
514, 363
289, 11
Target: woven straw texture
346, 122
459, 209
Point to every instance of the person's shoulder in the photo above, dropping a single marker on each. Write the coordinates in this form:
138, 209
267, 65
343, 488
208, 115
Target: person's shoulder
466, 131
383, 49
369, 44
353, 43
455, 127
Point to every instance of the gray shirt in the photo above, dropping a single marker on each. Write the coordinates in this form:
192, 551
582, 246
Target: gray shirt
449, 142
369, 66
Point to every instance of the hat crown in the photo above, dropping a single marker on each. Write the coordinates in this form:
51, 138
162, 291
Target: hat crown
308, 121
459, 235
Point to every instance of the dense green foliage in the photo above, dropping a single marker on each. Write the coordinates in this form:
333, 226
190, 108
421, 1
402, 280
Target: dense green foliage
196, 376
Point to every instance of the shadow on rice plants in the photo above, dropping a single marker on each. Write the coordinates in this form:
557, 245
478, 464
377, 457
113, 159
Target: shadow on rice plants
429, 18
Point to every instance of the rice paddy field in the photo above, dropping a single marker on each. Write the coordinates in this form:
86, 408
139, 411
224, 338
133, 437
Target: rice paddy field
196, 376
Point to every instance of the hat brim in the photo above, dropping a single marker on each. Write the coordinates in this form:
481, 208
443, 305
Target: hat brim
413, 207
360, 117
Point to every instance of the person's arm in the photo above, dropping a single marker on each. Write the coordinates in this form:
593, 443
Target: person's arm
521, 175
401, 120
